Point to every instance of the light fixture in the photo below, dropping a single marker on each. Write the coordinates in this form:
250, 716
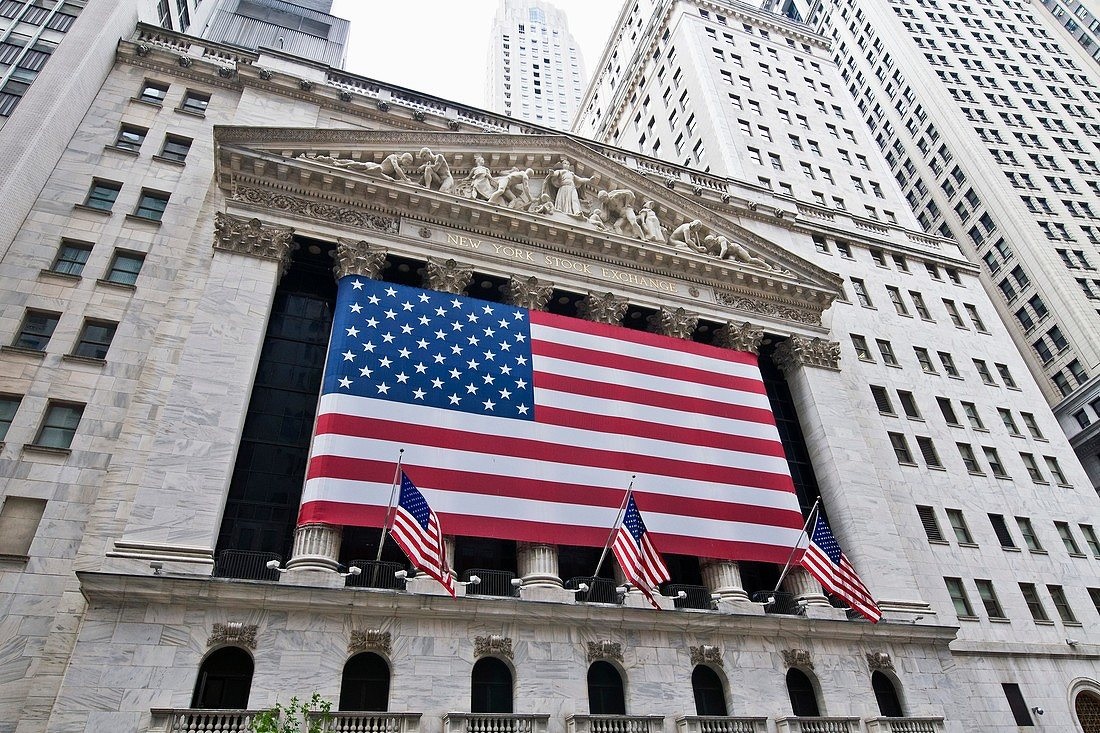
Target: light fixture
1038, 710
582, 587
401, 574
157, 566
517, 582
1072, 642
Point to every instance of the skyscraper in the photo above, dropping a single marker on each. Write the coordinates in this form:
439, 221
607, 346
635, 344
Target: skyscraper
536, 72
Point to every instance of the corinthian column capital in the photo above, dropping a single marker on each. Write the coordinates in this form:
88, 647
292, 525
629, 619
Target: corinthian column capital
254, 238
447, 276
358, 258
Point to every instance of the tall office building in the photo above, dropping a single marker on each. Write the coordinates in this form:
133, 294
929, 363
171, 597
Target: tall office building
1082, 19
305, 29
987, 114
536, 72
173, 559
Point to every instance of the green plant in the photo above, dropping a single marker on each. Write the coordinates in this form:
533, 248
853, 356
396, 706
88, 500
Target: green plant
289, 718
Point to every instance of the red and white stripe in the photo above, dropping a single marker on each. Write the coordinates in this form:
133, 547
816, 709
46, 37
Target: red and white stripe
425, 549
643, 566
691, 421
842, 581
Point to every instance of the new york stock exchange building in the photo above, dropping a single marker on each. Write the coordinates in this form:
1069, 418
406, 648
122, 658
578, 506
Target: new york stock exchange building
192, 528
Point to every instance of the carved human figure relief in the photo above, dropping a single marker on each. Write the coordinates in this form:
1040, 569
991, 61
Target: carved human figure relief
392, 167
513, 189
650, 224
564, 184
544, 205
478, 183
436, 171
689, 234
618, 212
721, 247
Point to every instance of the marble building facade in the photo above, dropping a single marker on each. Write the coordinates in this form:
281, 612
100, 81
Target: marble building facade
289, 170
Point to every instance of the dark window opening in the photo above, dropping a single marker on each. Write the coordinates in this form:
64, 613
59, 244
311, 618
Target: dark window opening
225, 679
605, 690
889, 704
801, 691
365, 685
491, 687
710, 696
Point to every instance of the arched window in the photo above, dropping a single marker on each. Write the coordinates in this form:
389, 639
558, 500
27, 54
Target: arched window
365, 685
605, 690
1087, 707
491, 691
801, 691
710, 696
225, 679
889, 704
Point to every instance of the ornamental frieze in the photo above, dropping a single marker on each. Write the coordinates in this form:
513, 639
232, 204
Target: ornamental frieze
605, 650
493, 645
766, 308
314, 209
369, 640
233, 632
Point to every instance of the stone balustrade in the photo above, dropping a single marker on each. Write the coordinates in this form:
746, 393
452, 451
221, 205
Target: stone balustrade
720, 724
905, 725
201, 721
364, 722
615, 723
817, 725
494, 723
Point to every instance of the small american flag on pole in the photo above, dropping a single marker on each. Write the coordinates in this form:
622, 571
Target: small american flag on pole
824, 560
416, 531
639, 559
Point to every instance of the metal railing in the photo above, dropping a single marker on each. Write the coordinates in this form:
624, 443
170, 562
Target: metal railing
777, 602
202, 721
493, 583
695, 596
375, 574
364, 722
817, 725
246, 565
904, 725
600, 590
494, 723
720, 724
615, 723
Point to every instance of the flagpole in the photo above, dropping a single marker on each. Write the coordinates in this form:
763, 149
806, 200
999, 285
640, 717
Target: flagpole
615, 527
389, 507
805, 526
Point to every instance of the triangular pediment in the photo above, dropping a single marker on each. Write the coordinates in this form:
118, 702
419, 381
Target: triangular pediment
549, 191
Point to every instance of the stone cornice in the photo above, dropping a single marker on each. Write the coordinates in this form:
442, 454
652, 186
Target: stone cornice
209, 592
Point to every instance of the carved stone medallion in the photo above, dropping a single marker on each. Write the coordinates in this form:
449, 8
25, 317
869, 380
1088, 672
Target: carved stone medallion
879, 661
233, 632
745, 337
801, 351
447, 276
674, 322
358, 258
369, 640
529, 292
253, 238
706, 654
605, 650
797, 658
493, 645
603, 308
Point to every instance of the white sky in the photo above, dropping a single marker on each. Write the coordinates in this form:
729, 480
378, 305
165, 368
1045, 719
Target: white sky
440, 47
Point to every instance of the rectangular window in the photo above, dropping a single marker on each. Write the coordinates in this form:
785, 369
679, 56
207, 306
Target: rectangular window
130, 137
19, 520
863, 352
59, 425
959, 527
71, 257
931, 526
924, 360
967, 454
957, 591
928, 452
151, 205
895, 298
102, 195
1055, 470
36, 330
195, 102
948, 412
1086, 529
948, 363
1008, 420
1016, 703
953, 313
1068, 539
95, 339
1061, 604
989, 599
983, 371
860, 290
1031, 597
175, 148
908, 404
882, 399
153, 92
1000, 528
9, 404
971, 412
887, 352
972, 313
901, 448
1031, 541
919, 305
124, 268
994, 461
1006, 376
1031, 425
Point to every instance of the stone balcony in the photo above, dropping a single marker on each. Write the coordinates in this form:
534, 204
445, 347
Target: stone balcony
720, 724
615, 723
904, 725
494, 723
794, 724
202, 721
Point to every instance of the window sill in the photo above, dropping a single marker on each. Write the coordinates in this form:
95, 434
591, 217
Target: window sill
1003, 477
936, 468
1066, 486
1038, 552
147, 102
24, 351
1041, 622
999, 620
6, 558
939, 542
46, 449
83, 359
980, 430
124, 151
955, 425
169, 161
92, 209
1010, 549
976, 473
44, 272
189, 113
968, 544
967, 618
955, 376
1072, 623
914, 418
893, 366
908, 463
1077, 554
113, 284
142, 220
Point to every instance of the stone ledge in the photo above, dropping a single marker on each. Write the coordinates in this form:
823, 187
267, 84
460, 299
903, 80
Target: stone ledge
92, 209
36, 353
124, 151
143, 220
113, 284
76, 358
47, 272
46, 449
169, 161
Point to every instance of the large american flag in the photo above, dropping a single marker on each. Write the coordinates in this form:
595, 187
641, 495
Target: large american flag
526, 425
641, 563
416, 530
824, 560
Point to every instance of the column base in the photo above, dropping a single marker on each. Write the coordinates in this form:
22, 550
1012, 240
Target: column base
547, 594
313, 577
637, 599
422, 585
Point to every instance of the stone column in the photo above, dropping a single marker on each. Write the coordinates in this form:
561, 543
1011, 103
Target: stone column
537, 563
603, 308
317, 546
675, 322
447, 276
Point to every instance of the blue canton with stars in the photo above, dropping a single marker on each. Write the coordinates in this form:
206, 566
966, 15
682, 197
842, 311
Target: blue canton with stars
422, 347
823, 537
